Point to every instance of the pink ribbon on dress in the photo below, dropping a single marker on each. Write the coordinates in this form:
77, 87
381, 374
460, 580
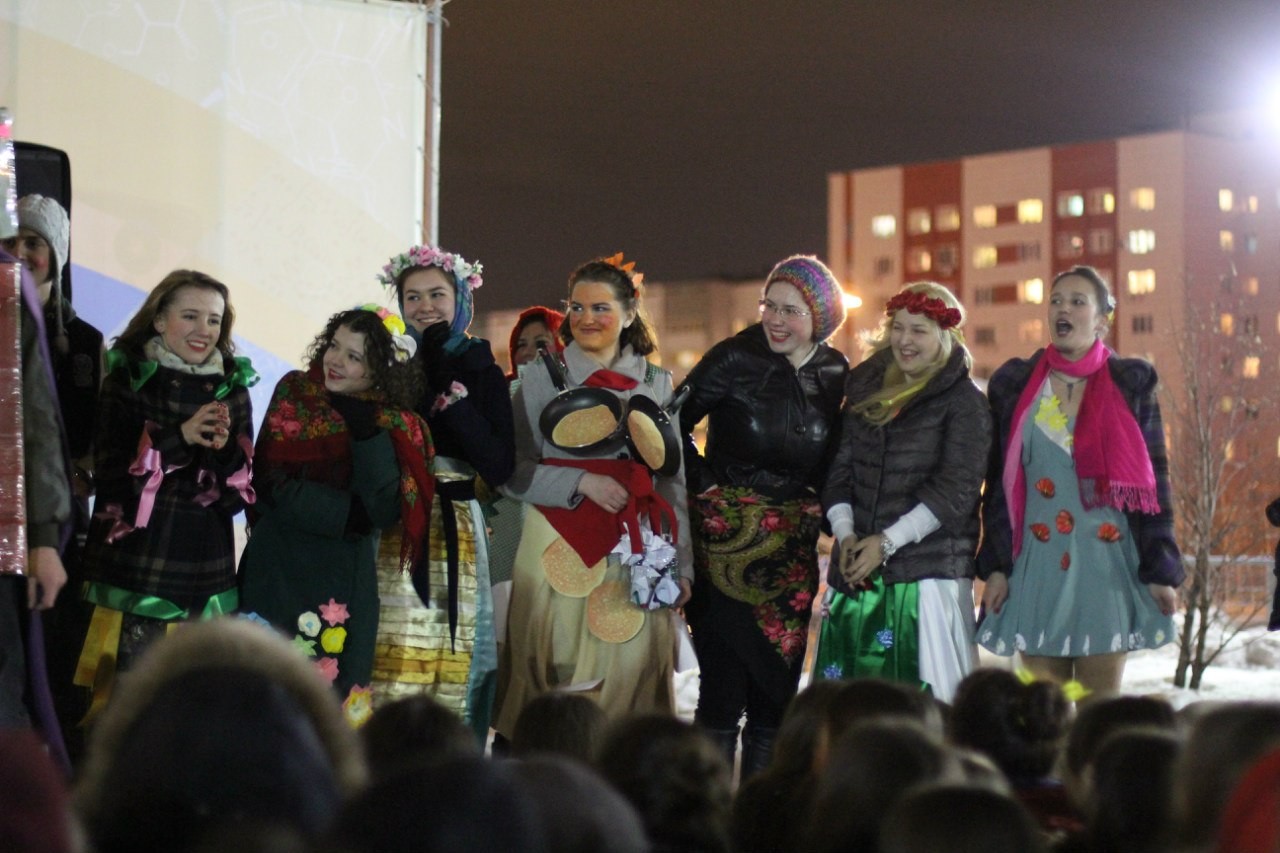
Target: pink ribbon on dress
242, 479
148, 462
119, 527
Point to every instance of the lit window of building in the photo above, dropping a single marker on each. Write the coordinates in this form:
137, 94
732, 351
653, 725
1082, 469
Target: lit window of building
1252, 204
687, 358
1031, 291
1070, 246
1226, 240
884, 225
919, 260
985, 257
984, 216
1226, 404
947, 217
1226, 200
1031, 331
1030, 210
1142, 198
1141, 241
1070, 204
1229, 450
918, 221
1101, 201
1141, 282
1101, 241
1249, 369
1251, 285
1226, 324
1142, 324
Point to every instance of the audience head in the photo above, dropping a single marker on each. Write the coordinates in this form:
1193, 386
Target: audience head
180, 293
870, 767
559, 723
803, 730
675, 776
1223, 743
221, 722
959, 819
1020, 726
1095, 721
414, 730
442, 807
1130, 807
862, 699
35, 814
581, 813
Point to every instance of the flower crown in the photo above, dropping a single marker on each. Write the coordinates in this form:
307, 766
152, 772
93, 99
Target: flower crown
628, 269
920, 303
431, 256
402, 345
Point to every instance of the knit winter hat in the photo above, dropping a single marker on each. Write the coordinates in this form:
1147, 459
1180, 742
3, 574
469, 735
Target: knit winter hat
819, 289
46, 217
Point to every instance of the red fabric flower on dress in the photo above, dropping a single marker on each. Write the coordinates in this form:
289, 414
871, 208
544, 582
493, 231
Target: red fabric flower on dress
1108, 532
1045, 487
1040, 531
1065, 522
1066, 560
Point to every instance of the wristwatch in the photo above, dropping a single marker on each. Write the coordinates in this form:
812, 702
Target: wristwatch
887, 548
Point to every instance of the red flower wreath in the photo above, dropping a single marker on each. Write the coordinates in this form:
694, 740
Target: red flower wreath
930, 306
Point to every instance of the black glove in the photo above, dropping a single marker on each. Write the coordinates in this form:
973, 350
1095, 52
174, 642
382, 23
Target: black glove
435, 361
359, 415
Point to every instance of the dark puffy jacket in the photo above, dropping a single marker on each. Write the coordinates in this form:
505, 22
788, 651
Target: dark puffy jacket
771, 427
934, 452
1159, 560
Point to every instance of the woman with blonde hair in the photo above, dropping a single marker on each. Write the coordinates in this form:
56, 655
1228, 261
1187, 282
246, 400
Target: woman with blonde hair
902, 498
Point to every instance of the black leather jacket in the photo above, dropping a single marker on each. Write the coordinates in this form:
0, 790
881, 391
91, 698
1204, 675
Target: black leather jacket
772, 427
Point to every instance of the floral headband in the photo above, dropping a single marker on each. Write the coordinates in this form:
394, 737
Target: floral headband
403, 345
930, 306
430, 256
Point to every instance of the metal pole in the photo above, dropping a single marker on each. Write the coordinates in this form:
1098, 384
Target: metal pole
431, 190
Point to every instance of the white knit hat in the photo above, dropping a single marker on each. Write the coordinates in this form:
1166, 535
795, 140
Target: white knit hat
46, 217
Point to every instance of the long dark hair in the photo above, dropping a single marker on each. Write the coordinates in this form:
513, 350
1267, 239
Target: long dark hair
400, 381
141, 327
639, 335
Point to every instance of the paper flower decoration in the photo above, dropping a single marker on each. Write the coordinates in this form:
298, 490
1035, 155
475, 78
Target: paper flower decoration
302, 644
309, 623
334, 613
358, 706
333, 639
327, 667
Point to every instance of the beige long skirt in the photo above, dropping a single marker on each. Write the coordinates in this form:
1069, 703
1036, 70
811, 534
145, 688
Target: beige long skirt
553, 643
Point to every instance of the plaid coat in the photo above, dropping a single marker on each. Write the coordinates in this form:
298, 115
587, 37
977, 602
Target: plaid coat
186, 552
1159, 560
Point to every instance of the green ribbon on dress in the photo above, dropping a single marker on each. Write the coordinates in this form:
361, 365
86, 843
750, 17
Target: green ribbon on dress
155, 607
874, 634
241, 374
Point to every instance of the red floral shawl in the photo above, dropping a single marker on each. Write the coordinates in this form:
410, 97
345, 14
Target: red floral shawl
304, 436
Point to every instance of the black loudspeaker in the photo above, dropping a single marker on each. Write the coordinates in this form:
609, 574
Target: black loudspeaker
47, 171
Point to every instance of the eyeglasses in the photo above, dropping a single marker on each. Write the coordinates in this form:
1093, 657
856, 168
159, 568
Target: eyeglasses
788, 312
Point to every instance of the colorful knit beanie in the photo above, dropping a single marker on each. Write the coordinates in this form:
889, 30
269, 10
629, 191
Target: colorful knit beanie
819, 289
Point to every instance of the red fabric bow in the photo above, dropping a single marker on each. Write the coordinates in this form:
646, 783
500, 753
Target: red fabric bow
610, 379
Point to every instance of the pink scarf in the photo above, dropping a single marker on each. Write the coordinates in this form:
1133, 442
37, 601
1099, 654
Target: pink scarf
1111, 458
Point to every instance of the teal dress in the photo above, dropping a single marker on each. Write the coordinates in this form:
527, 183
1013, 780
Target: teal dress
1074, 590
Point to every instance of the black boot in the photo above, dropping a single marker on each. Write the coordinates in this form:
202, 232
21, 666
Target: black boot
757, 749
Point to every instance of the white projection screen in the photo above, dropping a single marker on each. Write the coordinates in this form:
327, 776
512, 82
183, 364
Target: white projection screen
274, 144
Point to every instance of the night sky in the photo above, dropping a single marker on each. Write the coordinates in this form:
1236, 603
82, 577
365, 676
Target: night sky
696, 135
